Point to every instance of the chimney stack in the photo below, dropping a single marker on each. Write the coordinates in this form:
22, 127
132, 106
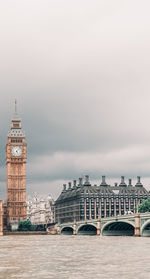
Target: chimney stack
130, 182
103, 179
87, 180
74, 183
103, 183
138, 181
69, 185
64, 187
122, 181
80, 181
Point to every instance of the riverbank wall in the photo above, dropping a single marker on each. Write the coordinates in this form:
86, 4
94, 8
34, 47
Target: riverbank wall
26, 233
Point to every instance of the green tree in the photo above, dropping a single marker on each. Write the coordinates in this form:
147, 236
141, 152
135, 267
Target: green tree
144, 206
26, 226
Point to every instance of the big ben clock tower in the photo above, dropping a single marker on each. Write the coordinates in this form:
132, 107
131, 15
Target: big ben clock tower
16, 155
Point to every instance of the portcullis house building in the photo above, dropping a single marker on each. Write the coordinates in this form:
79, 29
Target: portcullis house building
82, 201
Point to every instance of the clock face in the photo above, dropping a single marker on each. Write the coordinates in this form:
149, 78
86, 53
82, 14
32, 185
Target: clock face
16, 151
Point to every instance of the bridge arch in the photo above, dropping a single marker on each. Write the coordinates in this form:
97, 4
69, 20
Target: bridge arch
67, 230
87, 229
145, 228
118, 228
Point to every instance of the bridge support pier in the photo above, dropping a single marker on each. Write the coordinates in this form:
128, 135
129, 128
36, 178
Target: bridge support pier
74, 229
137, 225
58, 229
98, 227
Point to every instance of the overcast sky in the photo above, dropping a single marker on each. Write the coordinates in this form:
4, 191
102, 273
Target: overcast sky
80, 71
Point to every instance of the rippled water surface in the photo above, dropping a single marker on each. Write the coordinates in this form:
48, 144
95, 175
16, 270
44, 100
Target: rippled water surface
74, 257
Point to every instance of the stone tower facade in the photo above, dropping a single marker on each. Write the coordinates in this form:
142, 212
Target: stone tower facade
1, 217
16, 155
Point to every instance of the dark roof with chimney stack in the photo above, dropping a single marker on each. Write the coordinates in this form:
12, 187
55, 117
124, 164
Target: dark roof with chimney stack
84, 189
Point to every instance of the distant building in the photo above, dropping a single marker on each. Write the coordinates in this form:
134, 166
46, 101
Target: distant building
83, 201
40, 211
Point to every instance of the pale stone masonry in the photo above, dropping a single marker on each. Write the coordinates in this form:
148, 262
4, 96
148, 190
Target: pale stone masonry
40, 211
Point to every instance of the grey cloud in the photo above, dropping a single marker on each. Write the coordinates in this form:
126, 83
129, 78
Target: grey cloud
80, 72
130, 161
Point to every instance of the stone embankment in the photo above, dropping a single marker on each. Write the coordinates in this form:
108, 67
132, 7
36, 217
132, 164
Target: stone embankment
52, 231
26, 233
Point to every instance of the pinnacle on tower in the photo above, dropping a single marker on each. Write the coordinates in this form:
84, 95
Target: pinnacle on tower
15, 115
15, 106
15, 120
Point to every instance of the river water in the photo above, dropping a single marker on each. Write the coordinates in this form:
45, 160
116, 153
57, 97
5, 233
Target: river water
74, 257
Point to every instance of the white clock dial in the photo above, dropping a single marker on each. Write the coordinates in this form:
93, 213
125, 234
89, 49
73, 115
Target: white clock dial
16, 151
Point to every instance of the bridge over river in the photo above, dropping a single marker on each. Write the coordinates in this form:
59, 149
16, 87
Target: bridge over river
127, 225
